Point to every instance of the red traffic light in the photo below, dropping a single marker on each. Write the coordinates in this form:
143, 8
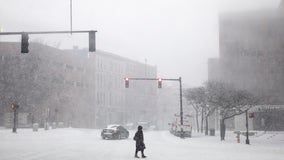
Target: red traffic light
12, 106
126, 82
251, 115
159, 82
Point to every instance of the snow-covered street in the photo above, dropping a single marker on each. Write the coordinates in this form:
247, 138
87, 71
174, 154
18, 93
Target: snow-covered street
86, 144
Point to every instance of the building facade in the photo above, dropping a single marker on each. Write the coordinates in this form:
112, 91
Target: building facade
53, 85
252, 54
114, 102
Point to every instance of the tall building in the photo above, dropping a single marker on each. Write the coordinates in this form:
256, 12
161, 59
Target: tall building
252, 58
82, 91
252, 53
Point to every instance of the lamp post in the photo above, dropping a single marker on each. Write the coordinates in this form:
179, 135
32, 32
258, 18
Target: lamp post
247, 133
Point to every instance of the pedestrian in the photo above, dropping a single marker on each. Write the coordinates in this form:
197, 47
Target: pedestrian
140, 146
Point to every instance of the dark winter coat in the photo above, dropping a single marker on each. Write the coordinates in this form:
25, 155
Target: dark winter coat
139, 138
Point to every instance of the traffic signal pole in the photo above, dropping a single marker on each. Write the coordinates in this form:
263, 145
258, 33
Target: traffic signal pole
180, 93
45, 32
25, 37
180, 96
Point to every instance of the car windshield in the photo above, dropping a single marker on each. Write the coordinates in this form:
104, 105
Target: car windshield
131, 79
108, 130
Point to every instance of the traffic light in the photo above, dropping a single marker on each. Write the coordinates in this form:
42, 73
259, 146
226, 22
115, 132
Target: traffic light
159, 82
251, 115
25, 43
12, 106
126, 82
92, 41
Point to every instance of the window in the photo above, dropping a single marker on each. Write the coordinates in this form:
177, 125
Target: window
69, 67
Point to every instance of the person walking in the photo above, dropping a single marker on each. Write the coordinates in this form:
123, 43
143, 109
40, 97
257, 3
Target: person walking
140, 146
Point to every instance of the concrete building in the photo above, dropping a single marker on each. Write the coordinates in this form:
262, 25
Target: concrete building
82, 91
252, 53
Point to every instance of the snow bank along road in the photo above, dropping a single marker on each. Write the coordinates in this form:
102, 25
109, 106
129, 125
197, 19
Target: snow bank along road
86, 144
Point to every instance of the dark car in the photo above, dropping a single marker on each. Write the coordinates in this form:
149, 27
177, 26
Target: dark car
114, 132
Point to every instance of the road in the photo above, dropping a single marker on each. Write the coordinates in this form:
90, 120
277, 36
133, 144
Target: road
86, 144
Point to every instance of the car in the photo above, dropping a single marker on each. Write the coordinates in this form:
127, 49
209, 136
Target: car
114, 131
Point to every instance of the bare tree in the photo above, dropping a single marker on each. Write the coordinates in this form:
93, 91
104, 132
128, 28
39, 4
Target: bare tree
196, 98
230, 102
207, 110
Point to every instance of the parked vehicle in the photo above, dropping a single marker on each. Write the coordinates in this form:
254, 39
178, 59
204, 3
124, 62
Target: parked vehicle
114, 132
179, 130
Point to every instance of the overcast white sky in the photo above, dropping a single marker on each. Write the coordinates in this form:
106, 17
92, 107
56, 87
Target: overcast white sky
178, 36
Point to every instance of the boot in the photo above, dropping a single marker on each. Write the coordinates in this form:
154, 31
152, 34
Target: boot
142, 152
136, 152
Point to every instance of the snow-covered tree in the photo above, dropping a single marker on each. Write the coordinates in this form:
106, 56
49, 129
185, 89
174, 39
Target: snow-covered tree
229, 101
198, 99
